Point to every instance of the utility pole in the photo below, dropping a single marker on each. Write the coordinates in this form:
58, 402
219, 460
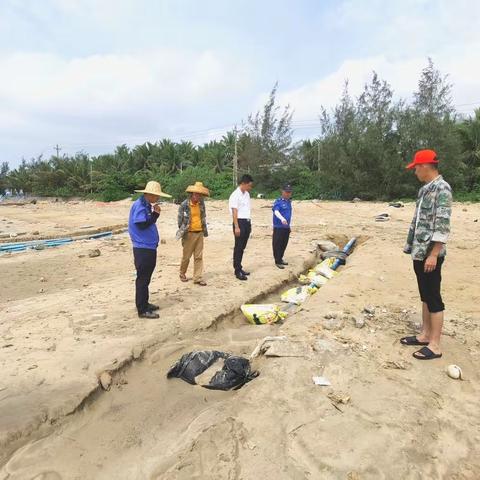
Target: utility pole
318, 154
91, 175
57, 148
235, 160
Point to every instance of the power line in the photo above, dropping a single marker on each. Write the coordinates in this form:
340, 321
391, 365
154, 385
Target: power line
304, 124
467, 104
189, 135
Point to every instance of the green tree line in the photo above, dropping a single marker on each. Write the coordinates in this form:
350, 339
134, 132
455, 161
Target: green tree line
361, 151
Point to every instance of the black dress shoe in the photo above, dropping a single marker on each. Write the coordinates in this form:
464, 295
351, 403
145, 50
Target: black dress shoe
280, 266
241, 276
245, 273
152, 307
148, 314
283, 262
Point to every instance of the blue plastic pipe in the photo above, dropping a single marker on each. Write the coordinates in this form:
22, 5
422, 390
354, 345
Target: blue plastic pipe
346, 249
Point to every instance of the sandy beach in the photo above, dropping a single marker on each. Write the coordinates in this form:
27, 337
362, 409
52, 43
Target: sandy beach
66, 318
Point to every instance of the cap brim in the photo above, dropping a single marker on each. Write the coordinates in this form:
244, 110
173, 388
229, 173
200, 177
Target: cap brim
410, 166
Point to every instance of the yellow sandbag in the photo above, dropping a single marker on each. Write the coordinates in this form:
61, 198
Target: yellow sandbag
324, 269
312, 277
296, 295
304, 279
316, 279
261, 314
327, 262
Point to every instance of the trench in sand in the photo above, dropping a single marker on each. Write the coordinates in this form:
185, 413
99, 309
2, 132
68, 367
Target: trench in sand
142, 386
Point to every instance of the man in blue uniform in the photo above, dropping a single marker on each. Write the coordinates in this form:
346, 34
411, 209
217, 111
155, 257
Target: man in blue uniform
144, 235
282, 217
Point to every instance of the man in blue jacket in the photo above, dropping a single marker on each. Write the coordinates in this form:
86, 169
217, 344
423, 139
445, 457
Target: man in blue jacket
282, 217
144, 235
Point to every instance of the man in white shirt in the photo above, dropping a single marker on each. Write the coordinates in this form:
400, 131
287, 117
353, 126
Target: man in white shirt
239, 205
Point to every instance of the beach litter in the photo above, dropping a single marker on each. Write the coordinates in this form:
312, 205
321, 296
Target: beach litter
322, 381
383, 217
285, 348
264, 344
233, 374
339, 397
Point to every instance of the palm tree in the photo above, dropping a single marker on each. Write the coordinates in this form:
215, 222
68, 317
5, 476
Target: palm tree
469, 132
169, 156
186, 154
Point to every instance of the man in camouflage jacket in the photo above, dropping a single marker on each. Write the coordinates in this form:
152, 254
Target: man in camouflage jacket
183, 219
192, 228
426, 242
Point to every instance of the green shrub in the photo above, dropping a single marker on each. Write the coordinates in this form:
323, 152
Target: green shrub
112, 194
467, 196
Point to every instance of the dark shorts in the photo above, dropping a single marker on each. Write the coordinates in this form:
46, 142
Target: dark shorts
429, 285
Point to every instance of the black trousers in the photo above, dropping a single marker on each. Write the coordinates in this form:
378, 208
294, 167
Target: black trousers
241, 243
279, 243
145, 260
429, 285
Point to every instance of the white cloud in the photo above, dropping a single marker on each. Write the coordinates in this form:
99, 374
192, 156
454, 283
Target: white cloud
90, 83
402, 75
401, 35
110, 83
112, 98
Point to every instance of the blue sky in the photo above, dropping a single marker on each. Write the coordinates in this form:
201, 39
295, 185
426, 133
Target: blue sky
92, 74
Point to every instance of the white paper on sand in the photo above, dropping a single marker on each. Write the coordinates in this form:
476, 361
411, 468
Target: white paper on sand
324, 382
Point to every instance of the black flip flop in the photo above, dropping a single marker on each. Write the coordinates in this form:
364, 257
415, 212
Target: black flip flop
426, 354
412, 341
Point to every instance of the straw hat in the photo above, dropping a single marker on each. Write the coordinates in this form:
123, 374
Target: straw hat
198, 188
154, 188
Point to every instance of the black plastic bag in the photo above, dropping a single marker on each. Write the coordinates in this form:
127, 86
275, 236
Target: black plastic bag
338, 254
193, 364
235, 373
